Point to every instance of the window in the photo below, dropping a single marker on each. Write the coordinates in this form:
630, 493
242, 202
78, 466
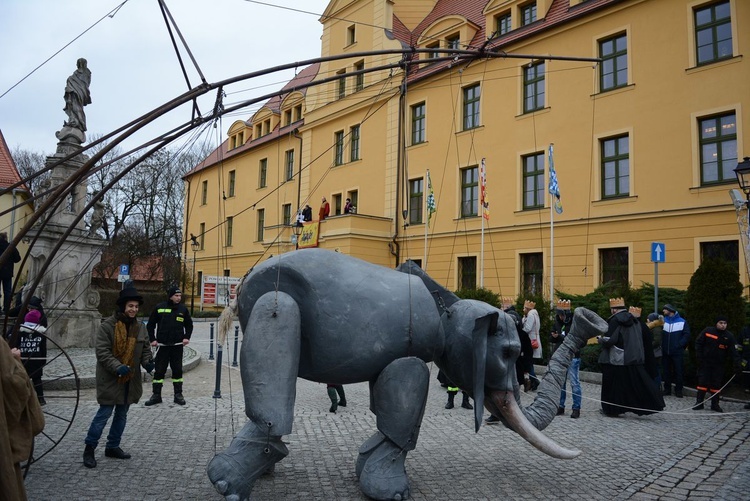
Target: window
226, 273
613, 72
613, 264
289, 165
416, 200
262, 173
354, 143
502, 24
433, 45
359, 79
267, 126
342, 84
232, 142
204, 193
469, 191
258, 130
354, 197
338, 139
261, 224
202, 232
287, 117
467, 272
230, 230
232, 182
533, 87
533, 181
337, 207
199, 283
528, 14
713, 33
453, 42
351, 34
240, 139
718, 136
418, 123
286, 211
728, 250
471, 107
298, 112
616, 167
532, 273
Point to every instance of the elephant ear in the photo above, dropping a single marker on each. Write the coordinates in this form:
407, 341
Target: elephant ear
483, 327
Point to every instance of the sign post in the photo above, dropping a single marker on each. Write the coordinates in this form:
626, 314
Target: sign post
658, 255
123, 275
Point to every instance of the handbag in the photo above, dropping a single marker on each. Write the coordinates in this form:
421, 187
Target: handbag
535, 343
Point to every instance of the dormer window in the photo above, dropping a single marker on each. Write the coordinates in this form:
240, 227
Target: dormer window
502, 24
433, 45
258, 130
267, 126
528, 13
287, 117
298, 112
453, 42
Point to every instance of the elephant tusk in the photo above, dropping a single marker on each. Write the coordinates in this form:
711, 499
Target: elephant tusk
505, 402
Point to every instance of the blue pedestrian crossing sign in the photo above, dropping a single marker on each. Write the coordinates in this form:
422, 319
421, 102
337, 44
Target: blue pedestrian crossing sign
658, 252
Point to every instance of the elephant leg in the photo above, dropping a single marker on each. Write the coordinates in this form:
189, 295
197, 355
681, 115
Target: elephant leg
269, 363
398, 400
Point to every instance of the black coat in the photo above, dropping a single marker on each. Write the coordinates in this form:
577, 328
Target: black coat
6, 270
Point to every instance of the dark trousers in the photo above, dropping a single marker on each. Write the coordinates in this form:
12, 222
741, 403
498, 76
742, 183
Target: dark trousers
7, 293
168, 356
711, 376
672, 371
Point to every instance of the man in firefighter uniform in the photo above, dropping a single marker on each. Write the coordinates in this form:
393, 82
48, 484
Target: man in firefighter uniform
712, 346
173, 327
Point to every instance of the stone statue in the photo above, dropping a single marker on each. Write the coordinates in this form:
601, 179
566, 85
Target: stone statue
97, 218
77, 96
327, 317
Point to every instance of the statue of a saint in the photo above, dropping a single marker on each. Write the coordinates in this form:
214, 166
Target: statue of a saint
77, 96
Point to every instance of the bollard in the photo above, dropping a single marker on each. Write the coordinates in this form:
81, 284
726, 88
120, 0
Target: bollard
236, 340
211, 343
217, 389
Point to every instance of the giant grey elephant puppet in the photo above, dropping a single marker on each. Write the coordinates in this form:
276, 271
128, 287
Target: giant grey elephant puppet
327, 317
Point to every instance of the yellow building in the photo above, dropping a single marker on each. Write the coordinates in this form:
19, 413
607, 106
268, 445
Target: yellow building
645, 143
14, 208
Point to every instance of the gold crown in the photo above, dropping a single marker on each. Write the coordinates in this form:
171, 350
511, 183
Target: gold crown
506, 302
617, 302
529, 304
563, 304
635, 311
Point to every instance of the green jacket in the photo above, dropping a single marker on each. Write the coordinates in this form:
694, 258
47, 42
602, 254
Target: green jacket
108, 390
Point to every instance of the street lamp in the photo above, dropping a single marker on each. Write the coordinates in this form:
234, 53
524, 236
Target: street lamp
742, 171
195, 245
297, 228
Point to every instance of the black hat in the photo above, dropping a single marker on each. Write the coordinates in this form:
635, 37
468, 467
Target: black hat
669, 307
129, 294
35, 302
721, 318
652, 316
173, 290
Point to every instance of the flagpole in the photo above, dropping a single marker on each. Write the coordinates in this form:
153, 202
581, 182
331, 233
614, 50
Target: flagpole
427, 217
551, 234
482, 180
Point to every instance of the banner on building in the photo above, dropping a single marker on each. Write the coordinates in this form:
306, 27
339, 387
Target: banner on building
309, 236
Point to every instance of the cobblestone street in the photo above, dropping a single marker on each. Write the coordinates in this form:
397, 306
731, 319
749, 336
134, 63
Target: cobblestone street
678, 454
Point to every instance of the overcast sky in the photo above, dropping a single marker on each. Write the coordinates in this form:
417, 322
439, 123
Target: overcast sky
133, 65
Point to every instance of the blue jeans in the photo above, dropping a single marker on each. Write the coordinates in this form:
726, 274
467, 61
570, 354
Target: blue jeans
100, 421
575, 384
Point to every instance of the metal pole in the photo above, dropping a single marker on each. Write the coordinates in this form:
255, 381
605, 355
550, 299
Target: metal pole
211, 343
217, 389
192, 291
656, 288
236, 341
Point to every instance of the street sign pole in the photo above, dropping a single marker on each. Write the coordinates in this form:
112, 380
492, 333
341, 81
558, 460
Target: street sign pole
658, 255
656, 287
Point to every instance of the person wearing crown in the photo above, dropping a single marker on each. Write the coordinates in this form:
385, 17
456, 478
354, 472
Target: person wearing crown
560, 329
626, 385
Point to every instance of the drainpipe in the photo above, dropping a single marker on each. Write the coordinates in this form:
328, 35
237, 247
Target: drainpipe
295, 133
394, 246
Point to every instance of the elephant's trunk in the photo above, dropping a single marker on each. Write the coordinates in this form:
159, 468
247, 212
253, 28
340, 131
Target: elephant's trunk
505, 403
586, 324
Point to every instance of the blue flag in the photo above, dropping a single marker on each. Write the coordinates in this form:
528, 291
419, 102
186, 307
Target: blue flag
554, 188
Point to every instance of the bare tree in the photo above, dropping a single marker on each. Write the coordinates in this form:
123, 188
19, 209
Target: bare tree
29, 163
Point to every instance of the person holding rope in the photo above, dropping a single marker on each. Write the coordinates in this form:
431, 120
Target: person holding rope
121, 347
712, 346
169, 329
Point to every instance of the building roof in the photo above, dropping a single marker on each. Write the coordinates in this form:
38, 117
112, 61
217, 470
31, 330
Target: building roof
274, 104
8, 171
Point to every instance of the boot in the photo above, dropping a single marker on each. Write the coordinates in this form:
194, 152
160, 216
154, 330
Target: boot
451, 396
700, 396
334, 399
465, 402
342, 396
178, 398
667, 390
576, 413
560, 411
89, 461
156, 397
117, 453
715, 403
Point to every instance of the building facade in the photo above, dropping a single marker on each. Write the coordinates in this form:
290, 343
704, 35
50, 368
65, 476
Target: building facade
645, 102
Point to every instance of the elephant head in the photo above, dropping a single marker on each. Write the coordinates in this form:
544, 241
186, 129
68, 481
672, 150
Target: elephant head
481, 348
